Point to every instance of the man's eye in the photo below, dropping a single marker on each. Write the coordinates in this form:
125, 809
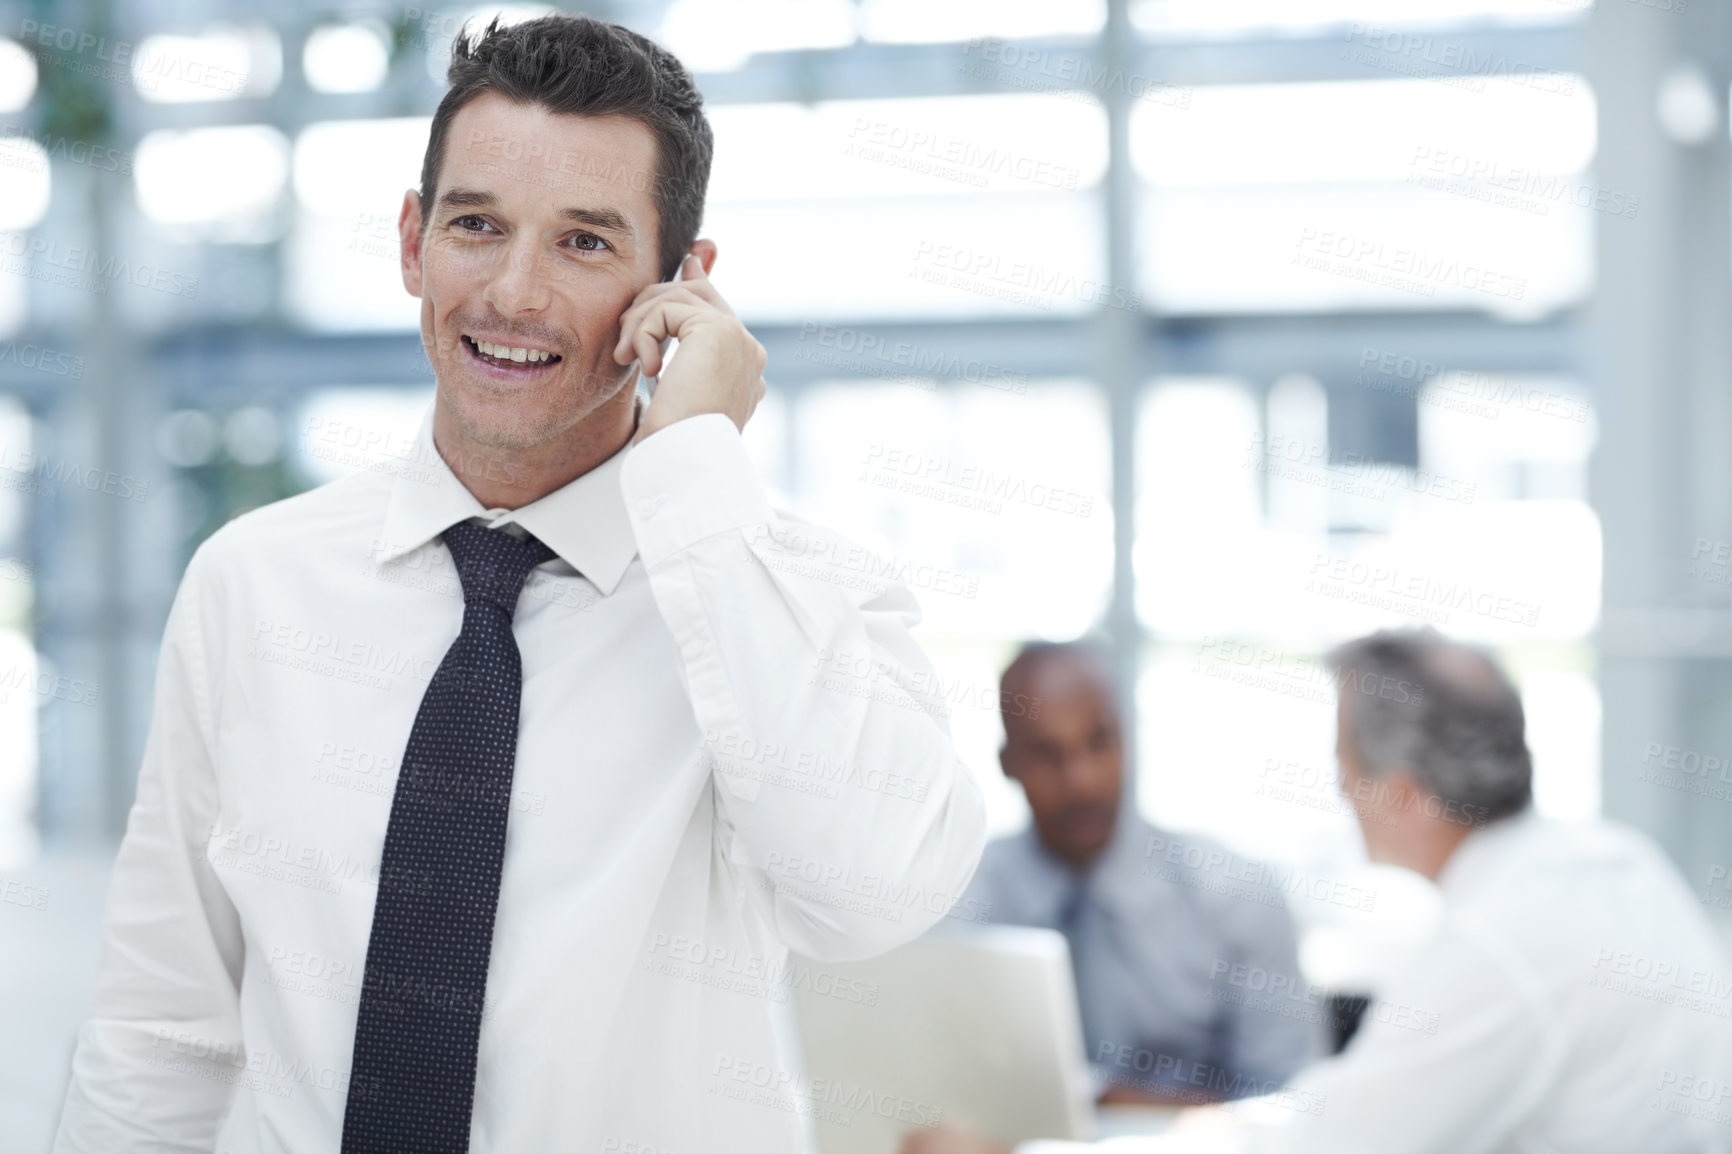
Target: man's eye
472, 223
589, 242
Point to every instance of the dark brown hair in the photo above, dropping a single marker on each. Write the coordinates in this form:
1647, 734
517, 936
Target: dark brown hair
580, 66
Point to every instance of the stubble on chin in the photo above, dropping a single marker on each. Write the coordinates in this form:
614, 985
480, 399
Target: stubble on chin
521, 423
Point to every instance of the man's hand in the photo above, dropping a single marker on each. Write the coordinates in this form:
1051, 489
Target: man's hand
720, 366
949, 1140
1117, 1095
1207, 1120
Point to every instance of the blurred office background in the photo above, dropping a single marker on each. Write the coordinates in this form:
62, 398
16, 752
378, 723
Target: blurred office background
1226, 329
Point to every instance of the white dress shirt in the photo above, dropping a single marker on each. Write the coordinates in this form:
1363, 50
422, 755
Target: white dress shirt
1575, 1000
723, 755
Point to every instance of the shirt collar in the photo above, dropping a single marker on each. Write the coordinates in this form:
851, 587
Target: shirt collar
584, 521
1053, 878
1474, 861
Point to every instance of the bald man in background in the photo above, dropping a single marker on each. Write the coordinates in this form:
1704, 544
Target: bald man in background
1153, 918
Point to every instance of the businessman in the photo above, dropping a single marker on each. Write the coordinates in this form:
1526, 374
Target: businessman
448, 764
1575, 997
1151, 919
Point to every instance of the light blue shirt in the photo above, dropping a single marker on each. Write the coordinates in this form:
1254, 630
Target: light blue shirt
1162, 937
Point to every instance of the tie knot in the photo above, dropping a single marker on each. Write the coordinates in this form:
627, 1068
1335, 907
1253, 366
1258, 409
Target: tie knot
492, 564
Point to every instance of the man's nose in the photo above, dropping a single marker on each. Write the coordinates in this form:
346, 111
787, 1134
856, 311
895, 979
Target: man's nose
1085, 771
524, 280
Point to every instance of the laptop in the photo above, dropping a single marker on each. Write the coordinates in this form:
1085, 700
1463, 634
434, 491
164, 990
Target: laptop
977, 1027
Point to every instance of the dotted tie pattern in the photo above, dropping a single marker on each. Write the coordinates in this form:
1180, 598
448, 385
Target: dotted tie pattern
412, 1082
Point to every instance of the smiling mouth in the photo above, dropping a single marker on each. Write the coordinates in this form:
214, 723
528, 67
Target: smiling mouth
520, 359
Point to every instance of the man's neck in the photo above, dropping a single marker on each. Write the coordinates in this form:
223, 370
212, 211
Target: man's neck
1430, 853
1078, 863
503, 477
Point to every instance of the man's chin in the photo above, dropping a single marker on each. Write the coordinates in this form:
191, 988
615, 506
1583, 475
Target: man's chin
1081, 843
489, 420
517, 419
1094, 827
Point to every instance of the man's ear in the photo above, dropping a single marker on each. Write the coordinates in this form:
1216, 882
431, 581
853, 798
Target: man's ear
1004, 762
705, 250
409, 238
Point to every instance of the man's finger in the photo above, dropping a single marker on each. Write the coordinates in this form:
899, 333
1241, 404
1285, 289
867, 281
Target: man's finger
663, 288
696, 290
693, 277
647, 300
650, 312
671, 318
689, 283
649, 353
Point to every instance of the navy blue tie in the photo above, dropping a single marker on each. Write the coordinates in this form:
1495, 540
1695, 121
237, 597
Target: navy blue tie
1072, 923
412, 1081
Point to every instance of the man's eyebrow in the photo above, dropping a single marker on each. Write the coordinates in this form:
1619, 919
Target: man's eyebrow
467, 198
603, 218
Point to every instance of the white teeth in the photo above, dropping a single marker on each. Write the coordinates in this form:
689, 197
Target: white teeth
509, 353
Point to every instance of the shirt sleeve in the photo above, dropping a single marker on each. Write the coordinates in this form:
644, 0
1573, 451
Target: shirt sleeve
985, 891
839, 791
1449, 1061
1205, 1143
156, 1061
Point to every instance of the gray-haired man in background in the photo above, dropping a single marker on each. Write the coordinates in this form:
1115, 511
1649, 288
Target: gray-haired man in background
1575, 997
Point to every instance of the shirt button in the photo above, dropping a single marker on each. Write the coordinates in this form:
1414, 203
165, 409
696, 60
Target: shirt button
693, 650
649, 506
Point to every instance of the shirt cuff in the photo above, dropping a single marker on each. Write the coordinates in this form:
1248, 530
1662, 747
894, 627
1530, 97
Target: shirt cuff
689, 481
